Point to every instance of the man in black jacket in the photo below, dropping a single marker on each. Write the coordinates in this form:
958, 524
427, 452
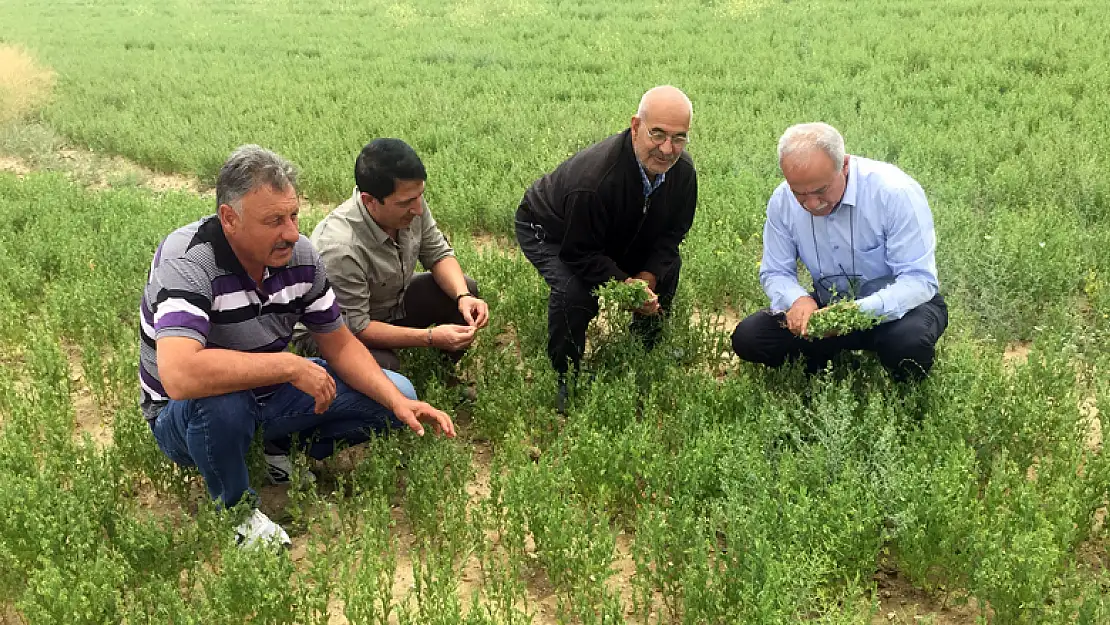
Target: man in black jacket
618, 209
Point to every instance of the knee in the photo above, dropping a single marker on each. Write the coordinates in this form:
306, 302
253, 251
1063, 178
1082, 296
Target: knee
233, 413
472, 286
745, 337
402, 383
909, 356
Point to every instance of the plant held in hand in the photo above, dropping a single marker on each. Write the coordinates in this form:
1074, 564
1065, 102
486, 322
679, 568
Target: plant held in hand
621, 296
839, 319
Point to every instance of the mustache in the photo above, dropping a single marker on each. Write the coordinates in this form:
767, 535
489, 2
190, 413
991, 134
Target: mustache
284, 245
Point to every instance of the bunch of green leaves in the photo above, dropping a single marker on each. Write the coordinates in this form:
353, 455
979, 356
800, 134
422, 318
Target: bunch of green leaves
839, 319
615, 296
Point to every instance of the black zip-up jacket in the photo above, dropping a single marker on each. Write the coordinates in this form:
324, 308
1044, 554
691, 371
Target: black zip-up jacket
594, 204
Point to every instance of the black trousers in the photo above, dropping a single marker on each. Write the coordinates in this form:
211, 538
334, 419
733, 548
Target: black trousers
572, 304
906, 347
425, 304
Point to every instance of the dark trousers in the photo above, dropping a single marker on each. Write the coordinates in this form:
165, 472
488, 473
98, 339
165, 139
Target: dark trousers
572, 304
425, 304
906, 347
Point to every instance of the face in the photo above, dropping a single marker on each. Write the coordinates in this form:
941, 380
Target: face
399, 208
817, 182
659, 138
264, 235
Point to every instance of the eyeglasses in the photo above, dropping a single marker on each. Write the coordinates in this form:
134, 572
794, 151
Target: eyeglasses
659, 137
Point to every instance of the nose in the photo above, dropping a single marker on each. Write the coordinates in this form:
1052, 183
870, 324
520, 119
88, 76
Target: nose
667, 147
290, 233
811, 203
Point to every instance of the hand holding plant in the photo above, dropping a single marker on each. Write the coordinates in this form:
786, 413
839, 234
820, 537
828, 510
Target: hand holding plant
632, 294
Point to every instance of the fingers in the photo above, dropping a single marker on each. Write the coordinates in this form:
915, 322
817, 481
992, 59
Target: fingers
438, 418
414, 412
467, 314
481, 314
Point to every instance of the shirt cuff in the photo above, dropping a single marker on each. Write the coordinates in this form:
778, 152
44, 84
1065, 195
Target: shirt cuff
784, 298
871, 304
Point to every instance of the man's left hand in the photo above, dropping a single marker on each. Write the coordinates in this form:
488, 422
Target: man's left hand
412, 413
475, 311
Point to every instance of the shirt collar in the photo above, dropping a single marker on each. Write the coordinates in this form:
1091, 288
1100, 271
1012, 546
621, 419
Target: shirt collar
849, 197
213, 232
379, 235
649, 186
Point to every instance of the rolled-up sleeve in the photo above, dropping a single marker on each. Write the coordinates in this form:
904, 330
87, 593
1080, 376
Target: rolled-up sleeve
778, 270
433, 245
350, 284
910, 255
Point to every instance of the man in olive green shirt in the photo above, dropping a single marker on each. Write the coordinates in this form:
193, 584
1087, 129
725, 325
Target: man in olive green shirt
370, 245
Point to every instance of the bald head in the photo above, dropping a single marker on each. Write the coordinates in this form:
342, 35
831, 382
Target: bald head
661, 128
665, 100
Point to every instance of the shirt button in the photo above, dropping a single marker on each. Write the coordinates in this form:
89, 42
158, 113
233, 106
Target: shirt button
836, 247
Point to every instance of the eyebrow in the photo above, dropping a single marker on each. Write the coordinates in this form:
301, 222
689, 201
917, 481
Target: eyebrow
681, 133
816, 191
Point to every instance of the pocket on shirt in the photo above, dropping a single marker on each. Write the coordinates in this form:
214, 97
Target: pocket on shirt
873, 256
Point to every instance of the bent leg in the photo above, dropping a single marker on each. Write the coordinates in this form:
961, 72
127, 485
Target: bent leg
762, 338
907, 346
213, 433
570, 306
351, 418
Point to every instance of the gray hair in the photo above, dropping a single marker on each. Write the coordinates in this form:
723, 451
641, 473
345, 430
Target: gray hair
249, 167
805, 137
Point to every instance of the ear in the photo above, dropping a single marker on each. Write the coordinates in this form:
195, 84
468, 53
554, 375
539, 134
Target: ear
847, 159
229, 219
635, 124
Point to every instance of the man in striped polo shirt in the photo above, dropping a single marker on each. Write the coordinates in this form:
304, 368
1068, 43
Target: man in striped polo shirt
218, 310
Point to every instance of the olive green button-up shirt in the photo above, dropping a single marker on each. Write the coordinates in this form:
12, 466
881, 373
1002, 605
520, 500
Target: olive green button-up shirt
368, 270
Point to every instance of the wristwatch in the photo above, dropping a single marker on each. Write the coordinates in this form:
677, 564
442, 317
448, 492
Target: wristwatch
462, 295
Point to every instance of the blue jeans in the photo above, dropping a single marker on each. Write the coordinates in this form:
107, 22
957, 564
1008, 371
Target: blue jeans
214, 433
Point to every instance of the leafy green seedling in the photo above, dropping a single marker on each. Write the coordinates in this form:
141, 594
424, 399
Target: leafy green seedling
614, 295
839, 319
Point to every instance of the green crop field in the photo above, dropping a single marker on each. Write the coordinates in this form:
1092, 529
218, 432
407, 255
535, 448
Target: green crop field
682, 486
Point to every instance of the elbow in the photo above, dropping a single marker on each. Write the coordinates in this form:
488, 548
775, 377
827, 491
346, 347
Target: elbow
175, 384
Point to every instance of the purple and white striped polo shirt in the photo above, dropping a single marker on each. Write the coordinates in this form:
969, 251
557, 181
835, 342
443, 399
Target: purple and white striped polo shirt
197, 288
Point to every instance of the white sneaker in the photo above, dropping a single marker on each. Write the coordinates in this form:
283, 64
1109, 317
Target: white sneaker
258, 528
279, 470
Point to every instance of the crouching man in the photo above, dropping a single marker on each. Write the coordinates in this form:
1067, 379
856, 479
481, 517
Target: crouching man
218, 311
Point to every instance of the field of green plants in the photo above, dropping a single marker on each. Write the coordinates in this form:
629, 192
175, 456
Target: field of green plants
682, 486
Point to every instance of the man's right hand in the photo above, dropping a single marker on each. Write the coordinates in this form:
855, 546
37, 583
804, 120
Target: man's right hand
314, 380
797, 318
650, 307
452, 337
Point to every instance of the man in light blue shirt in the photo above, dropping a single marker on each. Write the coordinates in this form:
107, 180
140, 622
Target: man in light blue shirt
864, 231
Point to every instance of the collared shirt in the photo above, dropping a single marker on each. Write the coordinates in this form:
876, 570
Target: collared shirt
881, 234
368, 269
198, 289
649, 185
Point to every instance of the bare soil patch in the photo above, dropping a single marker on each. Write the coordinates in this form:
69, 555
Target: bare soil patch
24, 84
1016, 354
900, 602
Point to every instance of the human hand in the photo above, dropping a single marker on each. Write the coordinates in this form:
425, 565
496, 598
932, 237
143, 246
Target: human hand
651, 306
453, 337
475, 311
412, 413
797, 318
314, 380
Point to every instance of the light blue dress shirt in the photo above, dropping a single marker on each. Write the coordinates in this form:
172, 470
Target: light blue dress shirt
881, 238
